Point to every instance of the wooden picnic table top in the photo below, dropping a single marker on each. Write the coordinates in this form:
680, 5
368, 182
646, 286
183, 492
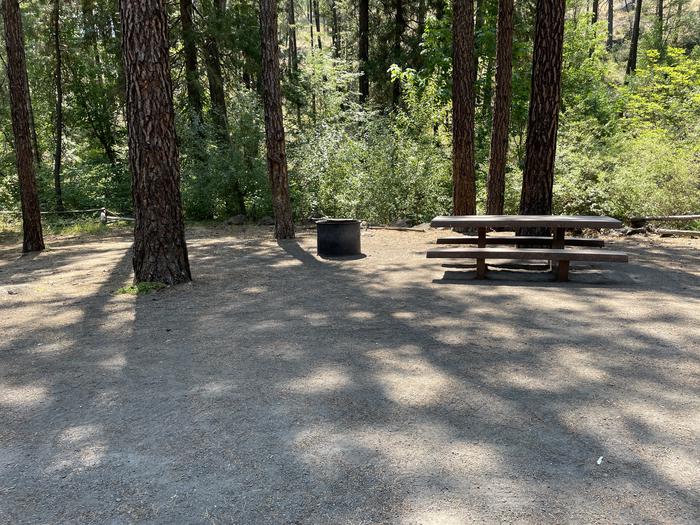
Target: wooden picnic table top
549, 221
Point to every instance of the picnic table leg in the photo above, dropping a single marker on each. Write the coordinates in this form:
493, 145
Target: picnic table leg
563, 271
481, 263
558, 244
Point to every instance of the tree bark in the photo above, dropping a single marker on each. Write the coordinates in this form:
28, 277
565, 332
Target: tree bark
293, 52
317, 17
215, 77
543, 118
364, 49
189, 41
594, 15
274, 123
58, 113
33, 239
634, 43
611, 13
160, 251
463, 100
501, 109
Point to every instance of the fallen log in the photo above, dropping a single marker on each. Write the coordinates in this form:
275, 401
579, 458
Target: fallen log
638, 222
694, 234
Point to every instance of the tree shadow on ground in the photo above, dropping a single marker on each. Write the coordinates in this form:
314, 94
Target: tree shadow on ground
282, 388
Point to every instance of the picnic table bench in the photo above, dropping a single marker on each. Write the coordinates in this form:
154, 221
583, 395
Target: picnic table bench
553, 249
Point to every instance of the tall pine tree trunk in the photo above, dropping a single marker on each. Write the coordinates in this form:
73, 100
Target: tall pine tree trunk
501, 109
274, 122
58, 112
293, 52
363, 48
463, 100
189, 41
160, 251
634, 43
543, 118
33, 239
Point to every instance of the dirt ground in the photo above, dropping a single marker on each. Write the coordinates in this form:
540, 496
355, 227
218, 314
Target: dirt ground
282, 388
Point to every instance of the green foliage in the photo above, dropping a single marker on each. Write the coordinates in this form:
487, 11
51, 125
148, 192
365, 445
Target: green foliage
142, 288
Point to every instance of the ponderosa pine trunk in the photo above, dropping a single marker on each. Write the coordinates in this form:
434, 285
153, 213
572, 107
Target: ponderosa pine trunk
634, 42
58, 112
543, 117
274, 123
293, 52
33, 239
611, 13
160, 251
189, 44
501, 109
363, 47
463, 100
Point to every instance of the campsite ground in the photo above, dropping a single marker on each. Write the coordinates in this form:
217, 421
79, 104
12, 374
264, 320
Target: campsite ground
283, 388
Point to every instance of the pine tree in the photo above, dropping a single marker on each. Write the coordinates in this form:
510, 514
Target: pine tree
160, 251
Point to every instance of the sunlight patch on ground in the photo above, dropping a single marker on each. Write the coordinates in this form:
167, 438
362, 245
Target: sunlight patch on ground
22, 396
81, 448
116, 362
361, 316
408, 378
324, 379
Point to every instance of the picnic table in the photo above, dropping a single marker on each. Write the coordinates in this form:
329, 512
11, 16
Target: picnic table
548, 247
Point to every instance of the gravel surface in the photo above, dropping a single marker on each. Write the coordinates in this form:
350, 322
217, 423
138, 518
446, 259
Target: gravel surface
282, 388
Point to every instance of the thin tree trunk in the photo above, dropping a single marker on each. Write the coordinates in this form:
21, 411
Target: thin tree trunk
160, 251
399, 27
543, 118
293, 53
463, 100
58, 123
594, 16
634, 43
422, 11
335, 21
189, 41
611, 14
364, 49
274, 122
33, 239
32, 124
311, 21
501, 109
317, 17
217, 93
